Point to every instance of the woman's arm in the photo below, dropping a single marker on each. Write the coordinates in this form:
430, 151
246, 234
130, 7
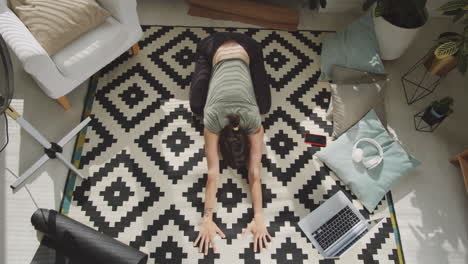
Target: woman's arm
255, 165
211, 152
257, 226
208, 228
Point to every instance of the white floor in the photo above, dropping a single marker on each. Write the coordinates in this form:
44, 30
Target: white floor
431, 202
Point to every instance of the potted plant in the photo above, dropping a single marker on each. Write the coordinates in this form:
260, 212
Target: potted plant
452, 48
438, 111
397, 23
444, 56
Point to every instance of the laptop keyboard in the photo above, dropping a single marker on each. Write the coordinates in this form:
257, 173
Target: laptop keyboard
336, 227
351, 243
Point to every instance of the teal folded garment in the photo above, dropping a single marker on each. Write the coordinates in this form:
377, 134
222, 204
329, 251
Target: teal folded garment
369, 186
354, 47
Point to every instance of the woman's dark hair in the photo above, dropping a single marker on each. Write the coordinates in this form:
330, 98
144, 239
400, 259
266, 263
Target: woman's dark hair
233, 143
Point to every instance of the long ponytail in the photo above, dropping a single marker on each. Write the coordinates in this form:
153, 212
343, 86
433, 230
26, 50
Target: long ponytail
233, 143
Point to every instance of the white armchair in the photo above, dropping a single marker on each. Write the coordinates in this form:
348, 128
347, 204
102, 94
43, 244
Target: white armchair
59, 74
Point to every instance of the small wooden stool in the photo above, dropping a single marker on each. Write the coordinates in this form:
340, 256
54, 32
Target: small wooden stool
461, 160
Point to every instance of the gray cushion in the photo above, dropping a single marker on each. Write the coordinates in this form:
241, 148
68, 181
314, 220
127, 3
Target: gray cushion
343, 75
352, 101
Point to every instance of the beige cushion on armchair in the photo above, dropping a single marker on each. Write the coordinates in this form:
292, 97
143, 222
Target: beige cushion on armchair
59, 74
56, 23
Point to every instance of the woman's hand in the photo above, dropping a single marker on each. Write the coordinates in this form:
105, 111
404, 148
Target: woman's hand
208, 230
260, 232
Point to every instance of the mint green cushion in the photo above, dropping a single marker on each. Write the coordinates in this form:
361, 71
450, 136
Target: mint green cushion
354, 47
370, 186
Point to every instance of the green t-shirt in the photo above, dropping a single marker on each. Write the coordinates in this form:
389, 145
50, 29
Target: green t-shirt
231, 92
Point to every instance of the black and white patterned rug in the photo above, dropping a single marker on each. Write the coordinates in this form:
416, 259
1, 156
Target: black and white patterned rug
144, 156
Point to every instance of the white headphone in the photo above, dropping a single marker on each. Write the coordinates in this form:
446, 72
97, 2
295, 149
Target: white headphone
358, 154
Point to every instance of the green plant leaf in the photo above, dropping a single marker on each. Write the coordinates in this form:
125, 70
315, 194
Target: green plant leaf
460, 13
452, 5
456, 38
450, 13
450, 36
462, 63
446, 49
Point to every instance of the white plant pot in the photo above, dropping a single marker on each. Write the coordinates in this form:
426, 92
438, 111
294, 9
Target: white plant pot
393, 40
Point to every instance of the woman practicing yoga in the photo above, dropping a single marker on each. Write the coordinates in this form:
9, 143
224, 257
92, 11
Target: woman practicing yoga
231, 95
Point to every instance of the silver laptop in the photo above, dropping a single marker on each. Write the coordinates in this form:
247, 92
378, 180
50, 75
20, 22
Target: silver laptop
335, 226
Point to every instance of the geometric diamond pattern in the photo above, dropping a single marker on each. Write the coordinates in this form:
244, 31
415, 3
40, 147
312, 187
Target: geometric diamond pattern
150, 142
282, 167
178, 141
98, 140
230, 195
175, 56
276, 60
133, 95
169, 251
129, 115
144, 154
289, 253
283, 70
185, 57
282, 144
116, 194
148, 194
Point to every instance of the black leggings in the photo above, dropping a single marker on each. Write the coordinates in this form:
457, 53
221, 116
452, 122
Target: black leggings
202, 74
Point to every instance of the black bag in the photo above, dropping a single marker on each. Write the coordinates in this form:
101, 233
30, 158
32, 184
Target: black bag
68, 241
